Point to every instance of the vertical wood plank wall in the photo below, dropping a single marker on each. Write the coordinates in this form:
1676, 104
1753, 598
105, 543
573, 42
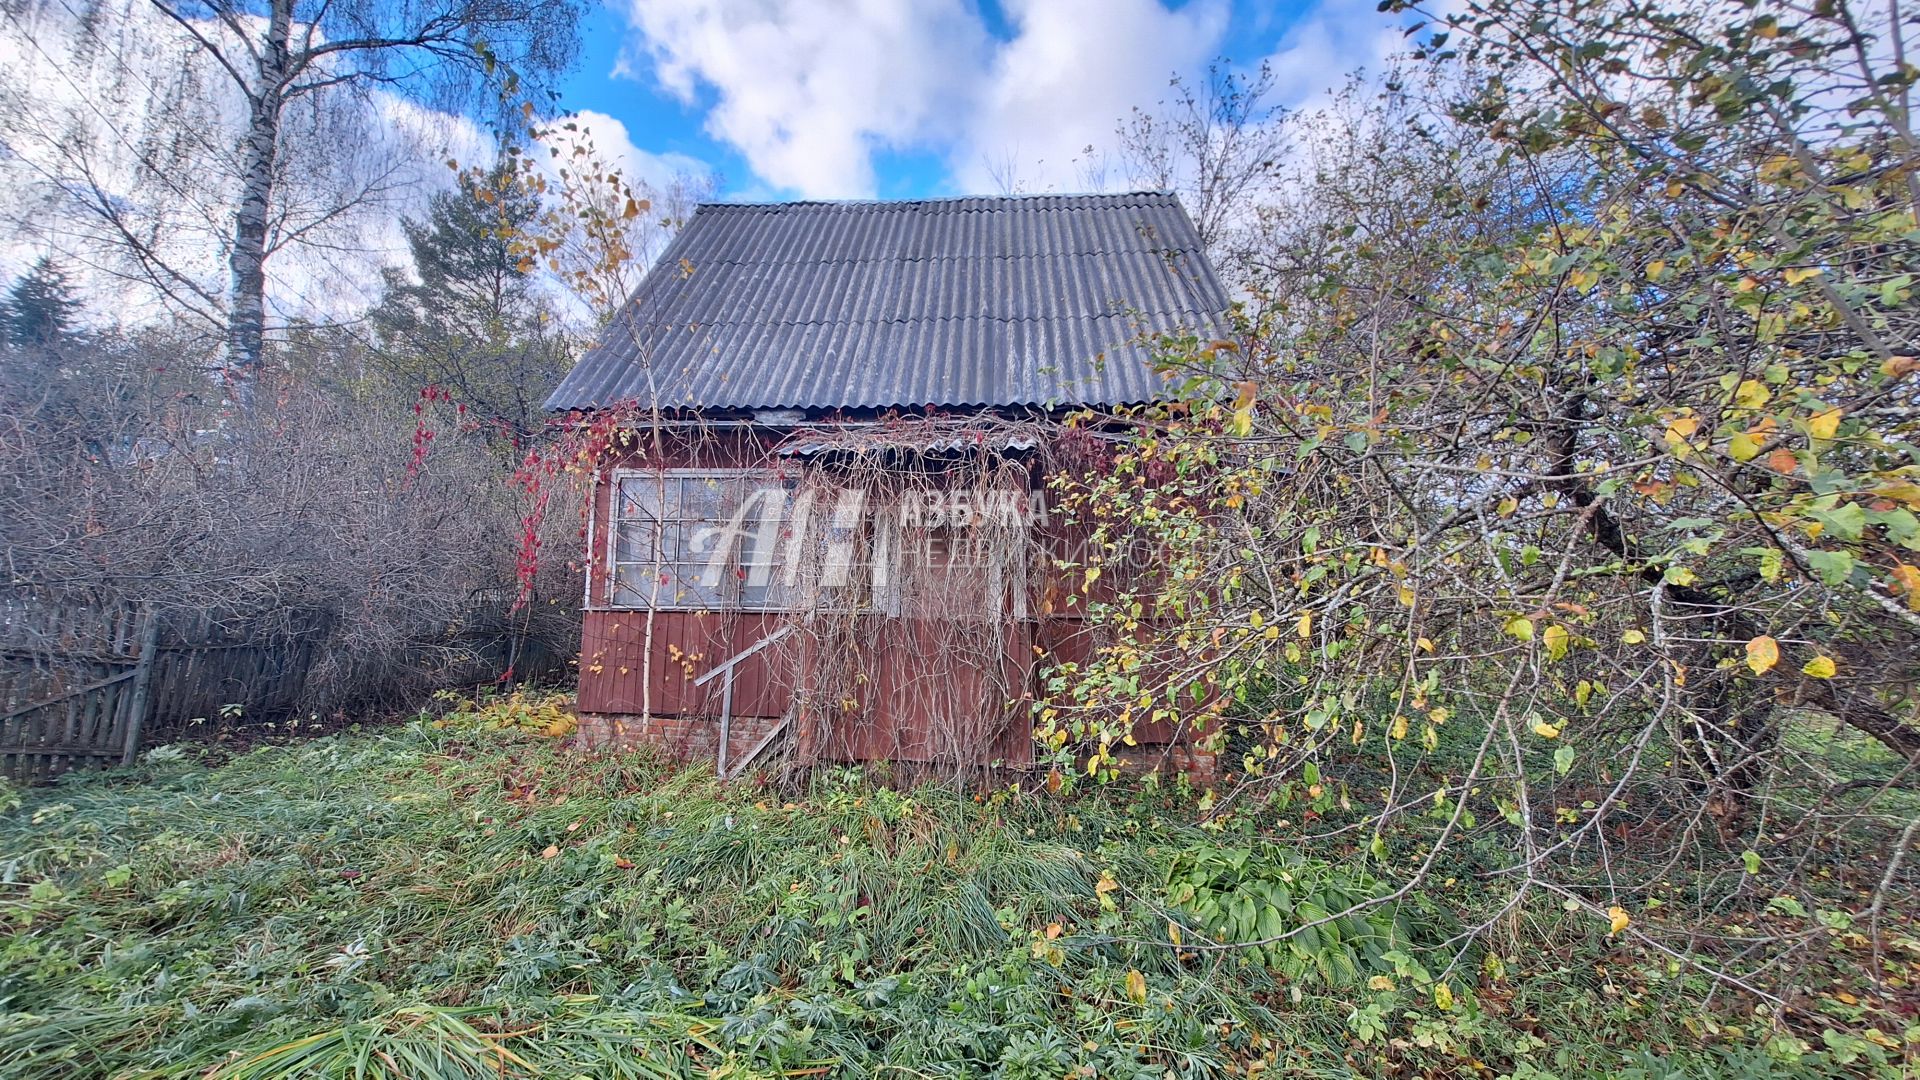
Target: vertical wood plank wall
896, 722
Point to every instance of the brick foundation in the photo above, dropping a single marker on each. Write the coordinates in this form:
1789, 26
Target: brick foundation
1201, 766
697, 738
685, 738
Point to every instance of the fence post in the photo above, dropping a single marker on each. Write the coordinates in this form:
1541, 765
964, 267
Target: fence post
142, 681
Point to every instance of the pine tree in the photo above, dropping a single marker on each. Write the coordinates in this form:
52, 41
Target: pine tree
40, 307
467, 318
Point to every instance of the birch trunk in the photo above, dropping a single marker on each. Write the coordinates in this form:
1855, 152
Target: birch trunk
246, 327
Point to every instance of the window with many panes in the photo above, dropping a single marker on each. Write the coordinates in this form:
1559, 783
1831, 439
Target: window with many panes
696, 540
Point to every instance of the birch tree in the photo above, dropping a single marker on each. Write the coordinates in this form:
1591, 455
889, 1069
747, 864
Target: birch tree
302, 87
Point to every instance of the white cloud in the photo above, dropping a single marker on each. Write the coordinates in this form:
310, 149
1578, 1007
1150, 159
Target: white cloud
1072, 71
809, 90
1317, 53
614, 145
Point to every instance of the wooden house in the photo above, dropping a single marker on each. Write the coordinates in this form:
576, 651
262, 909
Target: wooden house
819, 526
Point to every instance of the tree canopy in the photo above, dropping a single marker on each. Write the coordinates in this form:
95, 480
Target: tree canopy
1557, 503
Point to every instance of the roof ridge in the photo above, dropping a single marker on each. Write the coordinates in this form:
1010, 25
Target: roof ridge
1116, 313
932, 200
1162, 254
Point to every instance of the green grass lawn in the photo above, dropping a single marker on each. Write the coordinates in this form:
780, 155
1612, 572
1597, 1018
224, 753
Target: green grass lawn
408, 902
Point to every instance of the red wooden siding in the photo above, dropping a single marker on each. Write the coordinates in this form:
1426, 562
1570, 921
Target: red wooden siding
922, 698
613, 662
926, 702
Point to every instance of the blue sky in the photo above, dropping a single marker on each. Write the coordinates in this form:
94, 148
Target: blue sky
904, 98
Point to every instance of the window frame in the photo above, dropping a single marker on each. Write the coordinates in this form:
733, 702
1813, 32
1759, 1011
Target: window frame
884, 530
730, 588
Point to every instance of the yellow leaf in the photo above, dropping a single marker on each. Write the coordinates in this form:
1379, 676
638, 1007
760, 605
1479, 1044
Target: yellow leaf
1762, 653
1679, 430
1556, 638
1797, 274
1820, 667
1173, 932
1545, 730
1243, 407
1751, 394
1442, 996
1655, 269
1305, 626
1093, 575
1617, 920
1136, 987
1380, 982
1823, 425
1743, 447
1424, 645
1520, 627
1908, 578
1399, 729
1905, 492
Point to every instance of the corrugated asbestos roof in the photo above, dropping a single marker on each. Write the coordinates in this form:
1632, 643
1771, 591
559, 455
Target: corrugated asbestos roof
1033, 300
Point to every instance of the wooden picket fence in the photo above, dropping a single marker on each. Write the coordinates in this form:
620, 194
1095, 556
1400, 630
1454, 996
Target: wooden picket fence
74, 685
80, 684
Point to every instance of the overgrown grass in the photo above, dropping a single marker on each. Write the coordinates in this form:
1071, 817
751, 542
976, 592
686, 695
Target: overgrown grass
426, 903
